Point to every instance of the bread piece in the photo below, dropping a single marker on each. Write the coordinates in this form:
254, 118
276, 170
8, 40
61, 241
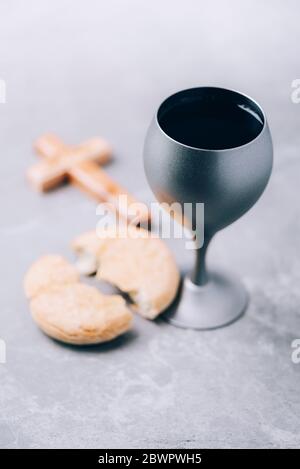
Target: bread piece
70, 311
136, 262
80, 314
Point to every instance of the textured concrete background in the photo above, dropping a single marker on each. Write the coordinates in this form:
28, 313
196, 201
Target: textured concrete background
82, 68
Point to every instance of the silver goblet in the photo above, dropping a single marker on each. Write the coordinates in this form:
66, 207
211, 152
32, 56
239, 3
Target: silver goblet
212, 146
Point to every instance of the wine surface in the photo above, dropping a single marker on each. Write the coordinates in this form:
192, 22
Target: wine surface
211, 124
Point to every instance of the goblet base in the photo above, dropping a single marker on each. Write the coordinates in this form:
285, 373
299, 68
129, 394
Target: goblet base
216, 304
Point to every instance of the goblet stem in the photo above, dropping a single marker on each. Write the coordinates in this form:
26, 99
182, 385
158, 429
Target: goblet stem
199, 275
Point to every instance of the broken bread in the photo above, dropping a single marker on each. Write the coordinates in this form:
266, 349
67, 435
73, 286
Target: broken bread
70, 311
136, 262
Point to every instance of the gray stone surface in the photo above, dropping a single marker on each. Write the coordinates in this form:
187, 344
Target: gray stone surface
87, 68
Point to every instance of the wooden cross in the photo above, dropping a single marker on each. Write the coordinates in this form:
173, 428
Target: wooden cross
80, 165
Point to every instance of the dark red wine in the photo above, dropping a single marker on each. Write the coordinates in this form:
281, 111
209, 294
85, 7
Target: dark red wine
212, 124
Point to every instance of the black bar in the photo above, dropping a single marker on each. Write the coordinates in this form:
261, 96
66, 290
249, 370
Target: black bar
133, 458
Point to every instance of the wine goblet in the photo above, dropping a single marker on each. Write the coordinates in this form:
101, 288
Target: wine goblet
212, 146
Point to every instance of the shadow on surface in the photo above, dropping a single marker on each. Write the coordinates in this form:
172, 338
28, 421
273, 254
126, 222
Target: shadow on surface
118, 342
